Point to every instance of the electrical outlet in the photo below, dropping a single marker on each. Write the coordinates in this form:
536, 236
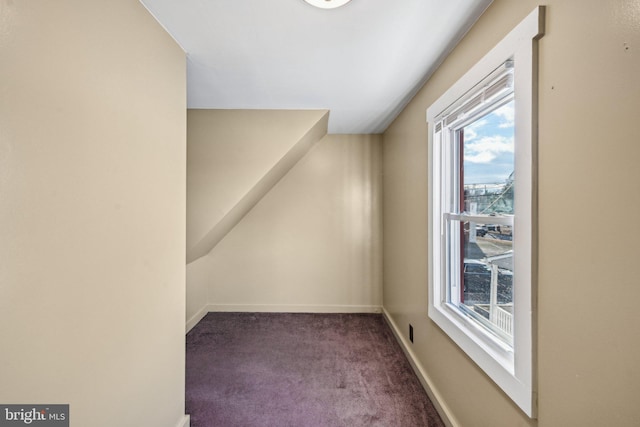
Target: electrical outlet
410, 333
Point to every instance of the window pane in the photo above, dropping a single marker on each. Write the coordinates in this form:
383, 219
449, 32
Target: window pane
488, 162
487, 276
487, 172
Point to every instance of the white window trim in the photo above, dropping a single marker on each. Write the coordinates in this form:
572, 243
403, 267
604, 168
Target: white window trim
513, 370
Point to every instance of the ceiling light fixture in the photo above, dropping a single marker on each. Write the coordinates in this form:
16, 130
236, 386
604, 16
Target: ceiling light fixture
327, 4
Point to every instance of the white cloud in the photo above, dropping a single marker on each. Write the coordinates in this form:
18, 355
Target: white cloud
487, 149
483, 157
507, 114
470, 131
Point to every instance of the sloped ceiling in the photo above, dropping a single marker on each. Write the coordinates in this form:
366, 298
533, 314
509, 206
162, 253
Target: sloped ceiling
363, 61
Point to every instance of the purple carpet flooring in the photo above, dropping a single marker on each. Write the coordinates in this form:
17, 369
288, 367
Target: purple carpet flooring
285, 369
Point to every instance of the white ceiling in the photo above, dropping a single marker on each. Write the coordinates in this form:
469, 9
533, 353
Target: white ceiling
363, 61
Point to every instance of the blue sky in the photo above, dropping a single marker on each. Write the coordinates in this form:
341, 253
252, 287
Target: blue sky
489, 147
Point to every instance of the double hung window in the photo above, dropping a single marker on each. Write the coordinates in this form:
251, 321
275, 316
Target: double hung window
477, 189
482, 212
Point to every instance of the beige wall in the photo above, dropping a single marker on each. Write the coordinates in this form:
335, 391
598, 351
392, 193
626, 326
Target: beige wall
233, 158
312, 243
92, 183
198, 273
588, 340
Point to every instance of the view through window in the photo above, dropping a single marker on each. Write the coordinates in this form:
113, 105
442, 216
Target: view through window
487, 194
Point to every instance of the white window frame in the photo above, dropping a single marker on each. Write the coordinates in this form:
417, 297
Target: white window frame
511, 368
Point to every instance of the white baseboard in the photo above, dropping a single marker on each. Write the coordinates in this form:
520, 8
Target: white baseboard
284, 308
294, 308
443, 410
184, 421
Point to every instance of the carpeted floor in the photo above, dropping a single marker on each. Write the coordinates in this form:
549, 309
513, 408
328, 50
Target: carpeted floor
298, 370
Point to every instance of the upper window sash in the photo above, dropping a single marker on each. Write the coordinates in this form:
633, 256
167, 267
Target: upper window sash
482, 219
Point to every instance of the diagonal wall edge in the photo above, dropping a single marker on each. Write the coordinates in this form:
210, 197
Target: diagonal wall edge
259, 190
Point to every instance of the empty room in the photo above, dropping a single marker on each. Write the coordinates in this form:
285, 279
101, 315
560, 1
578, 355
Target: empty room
319, 213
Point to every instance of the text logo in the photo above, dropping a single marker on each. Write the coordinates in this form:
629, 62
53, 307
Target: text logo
34, 415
